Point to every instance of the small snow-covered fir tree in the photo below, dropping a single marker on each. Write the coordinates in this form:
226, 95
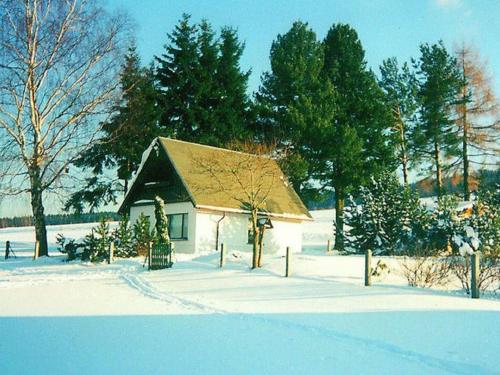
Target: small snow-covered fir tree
161, 226
124, 244
142, 234
96, 244
387, 218
444, 225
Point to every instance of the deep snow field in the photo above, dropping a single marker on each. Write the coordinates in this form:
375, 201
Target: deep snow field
78, 318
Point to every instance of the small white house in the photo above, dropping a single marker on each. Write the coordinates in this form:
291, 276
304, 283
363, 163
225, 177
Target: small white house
200, 216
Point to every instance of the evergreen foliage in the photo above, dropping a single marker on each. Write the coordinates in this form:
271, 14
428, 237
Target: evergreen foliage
400, 88
161, 225
387, 218
142, 234
354, 147
123, 240
127, 134
203, 89
294, 102
438, 86
96, 244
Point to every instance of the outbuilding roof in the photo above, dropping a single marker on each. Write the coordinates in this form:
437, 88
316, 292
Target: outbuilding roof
192, 163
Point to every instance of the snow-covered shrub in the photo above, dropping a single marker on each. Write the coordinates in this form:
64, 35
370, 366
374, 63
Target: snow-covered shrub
445, 223
480, 231
123, 240
96, 245
387, 218
68, 246
142, 234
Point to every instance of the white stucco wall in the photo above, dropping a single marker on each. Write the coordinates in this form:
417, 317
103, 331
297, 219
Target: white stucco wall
181, 246
233, 232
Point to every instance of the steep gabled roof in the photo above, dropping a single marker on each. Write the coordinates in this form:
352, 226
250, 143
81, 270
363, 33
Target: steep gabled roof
185, 157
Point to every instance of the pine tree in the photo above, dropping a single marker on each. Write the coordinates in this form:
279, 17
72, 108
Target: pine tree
294, 102
354, 146
400, 88
127, 135
142, 234
96, 244
124, 245
161, 226
438, 84
477, 109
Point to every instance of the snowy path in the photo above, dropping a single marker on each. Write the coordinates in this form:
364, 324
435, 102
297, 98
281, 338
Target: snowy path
198, 319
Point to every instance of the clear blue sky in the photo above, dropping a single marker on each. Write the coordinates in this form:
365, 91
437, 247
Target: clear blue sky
386, 27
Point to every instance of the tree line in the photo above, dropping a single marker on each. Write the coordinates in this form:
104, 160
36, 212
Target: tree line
59, 219
333, 123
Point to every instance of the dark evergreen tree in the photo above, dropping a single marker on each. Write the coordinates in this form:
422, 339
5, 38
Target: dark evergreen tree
436, 136
128, 133
400, 88
387, 218
233, 106
123, 239
176, 75
161, 225
354, 146
294, 102
142, 234
203, 88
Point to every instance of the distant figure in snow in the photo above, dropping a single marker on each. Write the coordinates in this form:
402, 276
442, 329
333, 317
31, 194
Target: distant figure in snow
7, 249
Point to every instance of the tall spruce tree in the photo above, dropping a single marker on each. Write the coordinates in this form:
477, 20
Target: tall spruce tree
354, 146
233, 113
203, 88
128, 133
178, 83
294, 101
400, 88
436, 137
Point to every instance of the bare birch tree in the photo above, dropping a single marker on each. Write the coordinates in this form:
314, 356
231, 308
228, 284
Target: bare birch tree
477, 113
247, 178
59, 64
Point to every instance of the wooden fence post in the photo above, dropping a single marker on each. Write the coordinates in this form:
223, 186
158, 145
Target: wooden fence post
222, 256
328, 246
368, 268
476, 256
111, 252
288, 270
172, 249
150, 251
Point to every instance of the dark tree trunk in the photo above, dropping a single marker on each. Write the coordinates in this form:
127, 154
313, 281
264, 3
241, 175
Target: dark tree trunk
439, 173
339, 219
255, 252
41, 245
261, 246
466, 159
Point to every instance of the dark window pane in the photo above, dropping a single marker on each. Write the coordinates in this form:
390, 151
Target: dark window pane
177, 226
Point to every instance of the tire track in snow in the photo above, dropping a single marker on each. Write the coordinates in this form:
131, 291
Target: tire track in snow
445, 365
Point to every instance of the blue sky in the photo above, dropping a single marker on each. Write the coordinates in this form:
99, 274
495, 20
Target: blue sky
386, 28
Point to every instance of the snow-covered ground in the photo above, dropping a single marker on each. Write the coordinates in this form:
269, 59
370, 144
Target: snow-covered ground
77, 318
